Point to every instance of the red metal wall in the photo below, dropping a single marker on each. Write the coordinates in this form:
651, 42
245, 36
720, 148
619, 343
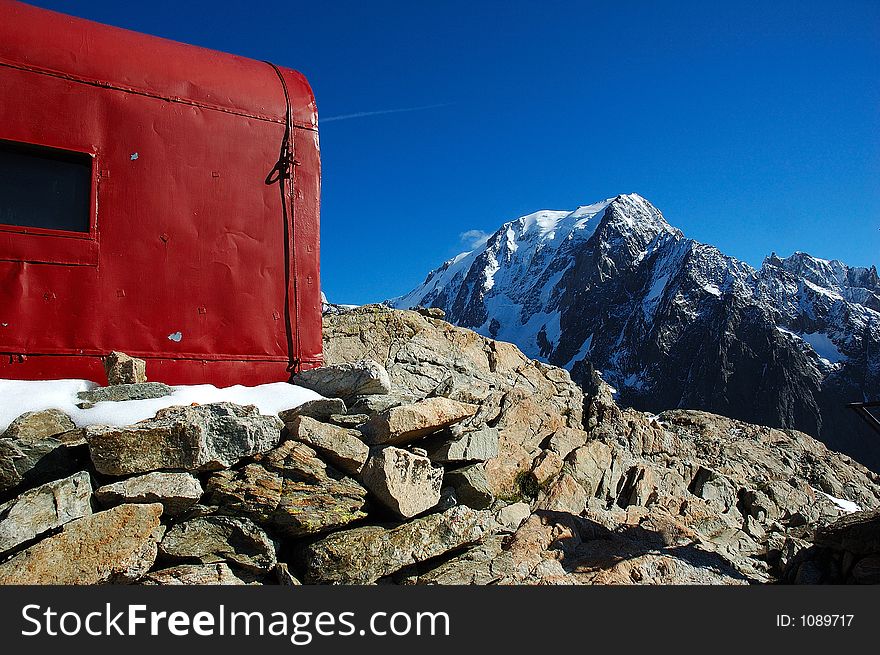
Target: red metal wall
186, 236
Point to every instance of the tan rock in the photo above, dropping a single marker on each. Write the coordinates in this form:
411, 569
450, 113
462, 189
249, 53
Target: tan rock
177, 491
117, 545
122, 369
407, 423
343, 448
546, 467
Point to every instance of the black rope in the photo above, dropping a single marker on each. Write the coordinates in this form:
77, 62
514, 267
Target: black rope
280, 174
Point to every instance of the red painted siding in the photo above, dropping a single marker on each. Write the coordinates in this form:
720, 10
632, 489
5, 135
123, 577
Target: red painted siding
186, 237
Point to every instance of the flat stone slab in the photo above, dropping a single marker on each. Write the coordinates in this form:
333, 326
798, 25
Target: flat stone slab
363, 555
365, 377
200, 438
44, 508
114, 546
341, 447
406, 423
177, 492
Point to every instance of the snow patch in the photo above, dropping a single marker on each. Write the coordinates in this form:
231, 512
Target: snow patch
20, 396
847, 506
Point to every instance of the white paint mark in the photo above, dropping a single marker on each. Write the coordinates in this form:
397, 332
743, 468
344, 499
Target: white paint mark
176, 336
134, 156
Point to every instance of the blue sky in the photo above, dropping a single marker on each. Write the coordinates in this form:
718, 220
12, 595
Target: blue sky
753, 126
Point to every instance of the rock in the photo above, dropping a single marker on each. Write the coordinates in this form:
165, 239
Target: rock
588, 465
123, 392
177, 492
320, 409
34, 426
511, 517
199, 438
341, 447
45, 508
475, 446
404, 482
122, 369
350, 421
29, 459
470, 486
430, 312
407, 423
563, 495
857, 533
214, 539
285, 577
483, 564
546, 467
361, 378
463, 388
291, 490
714, 488
117, 545
866, 571
373, 404
363, 555
566, 440
197, 574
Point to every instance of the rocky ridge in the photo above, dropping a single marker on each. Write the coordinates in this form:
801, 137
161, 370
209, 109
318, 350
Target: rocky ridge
444, 457
674, 323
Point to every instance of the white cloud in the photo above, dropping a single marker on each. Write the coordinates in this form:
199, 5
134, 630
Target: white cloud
474, 238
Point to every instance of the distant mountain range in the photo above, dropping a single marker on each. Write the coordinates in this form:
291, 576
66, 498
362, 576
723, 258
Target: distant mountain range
673, 323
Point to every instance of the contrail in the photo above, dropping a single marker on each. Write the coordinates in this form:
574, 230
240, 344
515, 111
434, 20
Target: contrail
362, 114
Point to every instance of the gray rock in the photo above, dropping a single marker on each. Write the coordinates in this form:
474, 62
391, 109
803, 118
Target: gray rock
365, 377
285, 577
122, 369
197, 574
291, 490
471, 487
348, 420
483, 564
373, 404
512, 516
45, 508
340, 447
123, 392
858, 533
26, 460
34, 426
475, 446
200, 438
177, 492
363, 555
320, 409
407, 423
114, 546
404, 482
214, 539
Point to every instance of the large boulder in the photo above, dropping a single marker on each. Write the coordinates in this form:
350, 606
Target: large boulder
177, 491
406, 423
192, 438
215, 539
38, 447
44, 508
114, 546
404, 482
291, 490
342, 447
346, 380
320, 409
363, 555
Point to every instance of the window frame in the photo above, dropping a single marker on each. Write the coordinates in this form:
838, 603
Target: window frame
40, 245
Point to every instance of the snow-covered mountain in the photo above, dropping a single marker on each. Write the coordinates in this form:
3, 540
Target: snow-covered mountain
671, 322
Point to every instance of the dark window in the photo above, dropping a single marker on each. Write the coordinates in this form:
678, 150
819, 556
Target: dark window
44, 187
